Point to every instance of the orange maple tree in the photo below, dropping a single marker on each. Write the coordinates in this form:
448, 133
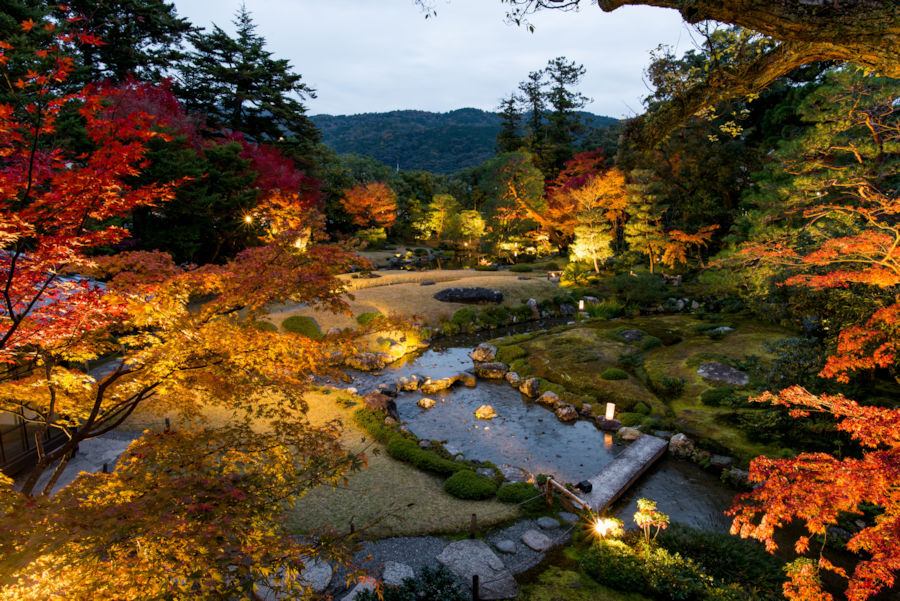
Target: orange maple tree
852, 169
192, 512
372, 203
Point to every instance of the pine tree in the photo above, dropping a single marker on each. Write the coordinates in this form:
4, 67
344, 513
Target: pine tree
643, 229
237, 84
563, 121
509, 138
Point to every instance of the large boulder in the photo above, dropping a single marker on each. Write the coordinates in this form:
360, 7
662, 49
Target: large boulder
381, 402
409, 383
681, 446
719, 372
366, 362
627, 433
483, 353
485, 412
566, 413
494, 371
466, 558
548, 398
469, 295
530, 387
432, 386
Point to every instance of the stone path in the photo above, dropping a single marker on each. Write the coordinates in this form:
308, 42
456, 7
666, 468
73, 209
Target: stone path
496, 559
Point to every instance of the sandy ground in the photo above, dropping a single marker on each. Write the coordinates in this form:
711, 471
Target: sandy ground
401, 292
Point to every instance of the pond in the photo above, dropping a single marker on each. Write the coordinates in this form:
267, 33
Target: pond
527, 435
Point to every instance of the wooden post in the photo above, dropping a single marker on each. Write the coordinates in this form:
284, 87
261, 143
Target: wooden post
548, 491
473, 526
475, 595
105, 468
168, 425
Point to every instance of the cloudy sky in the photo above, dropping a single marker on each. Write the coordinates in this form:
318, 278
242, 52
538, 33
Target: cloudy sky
382, 55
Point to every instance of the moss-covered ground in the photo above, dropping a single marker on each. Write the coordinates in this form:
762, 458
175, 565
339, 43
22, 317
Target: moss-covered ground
571, 359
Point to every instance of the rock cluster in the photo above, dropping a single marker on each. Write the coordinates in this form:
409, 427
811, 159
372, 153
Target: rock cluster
469, 295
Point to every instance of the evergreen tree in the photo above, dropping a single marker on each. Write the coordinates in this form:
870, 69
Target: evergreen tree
563, 121
237, 84
644, 228
534, 101
509, 138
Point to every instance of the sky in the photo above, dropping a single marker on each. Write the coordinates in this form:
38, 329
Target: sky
381, 55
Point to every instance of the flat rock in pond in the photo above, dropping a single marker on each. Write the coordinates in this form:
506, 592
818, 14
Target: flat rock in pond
431, 386
485, 412
719, 372
493, 371
566, 413
425, 403
469, 295
548, 398
627, 433
465, 558
536, 540
610, 425
467, 380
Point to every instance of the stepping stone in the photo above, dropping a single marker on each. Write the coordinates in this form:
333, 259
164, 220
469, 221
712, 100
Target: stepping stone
506, 546
316, 575
547, 523
537, 541
395, 573
569, 518
465, 558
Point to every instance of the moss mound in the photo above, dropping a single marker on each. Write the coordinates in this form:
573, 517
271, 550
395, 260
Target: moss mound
300, 324
614, 373
466, 484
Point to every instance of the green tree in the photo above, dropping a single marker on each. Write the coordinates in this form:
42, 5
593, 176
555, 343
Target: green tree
441, 219
644, 226
239, 86
509, 138
563, 121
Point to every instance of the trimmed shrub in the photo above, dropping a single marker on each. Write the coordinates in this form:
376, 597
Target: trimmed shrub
486, 268
728, 558
614, 373
404, 449
649, 342
642, 408
521, 268
466, 484
615, 564
372, 422
508, 354
644, 289
516, 492
630, 419
368, 317
578, 274
631, 360
303, 325
434, 584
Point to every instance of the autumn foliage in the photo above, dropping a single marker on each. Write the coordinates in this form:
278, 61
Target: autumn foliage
192, 511
371, 204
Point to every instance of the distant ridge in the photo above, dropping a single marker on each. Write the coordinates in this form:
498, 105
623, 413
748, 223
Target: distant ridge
437, 142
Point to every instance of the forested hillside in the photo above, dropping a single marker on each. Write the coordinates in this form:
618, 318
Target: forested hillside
436, 142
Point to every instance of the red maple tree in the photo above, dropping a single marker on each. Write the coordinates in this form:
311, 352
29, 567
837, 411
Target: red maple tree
371, 204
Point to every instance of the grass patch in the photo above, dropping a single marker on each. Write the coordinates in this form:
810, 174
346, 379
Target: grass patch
368, 317
614, 373
509, 353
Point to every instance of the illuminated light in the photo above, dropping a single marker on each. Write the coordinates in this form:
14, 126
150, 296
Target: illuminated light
248, 219
581, 305
607, 441
604, 526
610, 411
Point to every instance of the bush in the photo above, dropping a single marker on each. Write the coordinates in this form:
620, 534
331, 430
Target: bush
630, 419
615, 564
716, 397
486, 268
727, 557
649, 342
577, 274
631, 360
516, 492
671, 387
607, 309
642, 408
368, 317
521, 268
508, 354
466, 484
493, 316
374, 237
433, 584
614, 373
643, 289
463, 317
404, 449
305, 326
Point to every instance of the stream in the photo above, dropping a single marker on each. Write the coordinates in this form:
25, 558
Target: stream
528, 436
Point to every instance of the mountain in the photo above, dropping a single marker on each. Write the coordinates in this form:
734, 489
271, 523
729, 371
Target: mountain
437, 142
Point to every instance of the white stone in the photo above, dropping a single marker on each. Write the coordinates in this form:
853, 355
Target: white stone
536, 540
395, 573
465, 558
426, 403
627, 433
485, 412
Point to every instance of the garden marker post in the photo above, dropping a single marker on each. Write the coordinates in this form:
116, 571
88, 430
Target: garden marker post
473, 526
475, 596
